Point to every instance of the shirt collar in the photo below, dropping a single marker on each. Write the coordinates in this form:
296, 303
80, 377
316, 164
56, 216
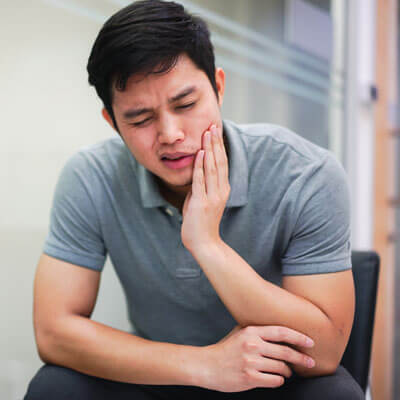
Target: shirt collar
238, 173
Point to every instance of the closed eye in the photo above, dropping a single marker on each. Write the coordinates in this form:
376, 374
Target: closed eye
185, 106
141, 122
182, 107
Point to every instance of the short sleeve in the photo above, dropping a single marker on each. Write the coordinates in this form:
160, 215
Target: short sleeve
320, 237
75, 232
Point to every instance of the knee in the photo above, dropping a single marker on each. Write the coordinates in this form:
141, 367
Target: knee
339, 386
348, 391
346, 386
55, 382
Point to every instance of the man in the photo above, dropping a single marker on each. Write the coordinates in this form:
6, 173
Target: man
231, 242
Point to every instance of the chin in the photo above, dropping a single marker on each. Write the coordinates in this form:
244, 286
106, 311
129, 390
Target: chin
178, 183
185, 185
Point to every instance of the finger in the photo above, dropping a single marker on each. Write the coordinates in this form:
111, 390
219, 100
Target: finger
210, 169
284, 334
270, 365
221, 138
198, 186
221, 161
286, 354
262, 379
234, 330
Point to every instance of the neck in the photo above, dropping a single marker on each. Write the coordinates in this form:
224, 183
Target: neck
174, 198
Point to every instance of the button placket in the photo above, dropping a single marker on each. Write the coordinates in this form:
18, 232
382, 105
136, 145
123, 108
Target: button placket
169, 211
187, 266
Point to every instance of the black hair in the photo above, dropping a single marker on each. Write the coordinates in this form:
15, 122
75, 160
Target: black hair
147, 36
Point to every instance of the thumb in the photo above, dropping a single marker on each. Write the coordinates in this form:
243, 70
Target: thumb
234, 330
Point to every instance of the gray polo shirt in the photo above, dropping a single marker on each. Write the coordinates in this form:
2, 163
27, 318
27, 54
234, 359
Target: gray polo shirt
287, 214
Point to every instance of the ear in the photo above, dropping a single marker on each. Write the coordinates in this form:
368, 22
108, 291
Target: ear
220, 81
108, 118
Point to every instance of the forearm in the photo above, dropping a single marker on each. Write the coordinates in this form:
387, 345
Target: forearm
98, 350
268, 304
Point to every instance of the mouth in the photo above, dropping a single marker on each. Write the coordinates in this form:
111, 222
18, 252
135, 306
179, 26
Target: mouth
178, 163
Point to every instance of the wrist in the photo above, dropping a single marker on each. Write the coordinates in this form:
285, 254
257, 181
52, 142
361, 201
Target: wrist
207, 249
201, 371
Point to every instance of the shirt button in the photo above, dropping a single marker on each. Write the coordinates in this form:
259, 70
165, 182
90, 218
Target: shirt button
169, 211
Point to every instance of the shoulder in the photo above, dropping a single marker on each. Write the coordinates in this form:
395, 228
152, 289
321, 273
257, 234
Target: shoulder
265, 140
278, 156
101, 159
103, 152
95, 170
287, 168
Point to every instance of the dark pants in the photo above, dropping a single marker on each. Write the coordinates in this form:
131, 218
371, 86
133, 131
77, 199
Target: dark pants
58, 383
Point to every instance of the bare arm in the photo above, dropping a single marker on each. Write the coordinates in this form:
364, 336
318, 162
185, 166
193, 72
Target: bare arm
319, 306
64, 298
333, 295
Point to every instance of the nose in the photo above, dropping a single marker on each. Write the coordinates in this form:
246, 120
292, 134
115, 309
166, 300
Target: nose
169, 129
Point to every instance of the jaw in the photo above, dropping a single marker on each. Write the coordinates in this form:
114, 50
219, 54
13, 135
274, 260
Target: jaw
176, 187
176, 195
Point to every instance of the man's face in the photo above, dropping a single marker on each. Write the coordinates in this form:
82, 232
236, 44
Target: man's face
168, 113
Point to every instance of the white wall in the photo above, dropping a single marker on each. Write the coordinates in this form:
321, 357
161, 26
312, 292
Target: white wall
47, 112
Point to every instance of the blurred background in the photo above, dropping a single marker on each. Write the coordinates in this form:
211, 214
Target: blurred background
327, 69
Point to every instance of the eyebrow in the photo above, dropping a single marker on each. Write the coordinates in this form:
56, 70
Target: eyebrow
129, 114
183, 93
135, 112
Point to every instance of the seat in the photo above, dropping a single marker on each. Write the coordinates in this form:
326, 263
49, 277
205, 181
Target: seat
356, 358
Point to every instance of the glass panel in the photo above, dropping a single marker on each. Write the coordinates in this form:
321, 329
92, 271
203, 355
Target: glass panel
269, 80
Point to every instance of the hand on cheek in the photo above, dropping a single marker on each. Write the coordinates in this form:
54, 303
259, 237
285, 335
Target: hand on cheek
205, 203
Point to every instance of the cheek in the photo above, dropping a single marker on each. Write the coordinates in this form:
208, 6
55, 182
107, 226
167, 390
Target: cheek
141, 148
203, 119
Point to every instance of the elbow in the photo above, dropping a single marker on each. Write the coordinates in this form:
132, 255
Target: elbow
43, 355
44, 345
326, 363
327, 358
328, 367
321, 368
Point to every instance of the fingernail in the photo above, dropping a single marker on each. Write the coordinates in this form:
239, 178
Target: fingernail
309, 342
213, 128
310, 362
